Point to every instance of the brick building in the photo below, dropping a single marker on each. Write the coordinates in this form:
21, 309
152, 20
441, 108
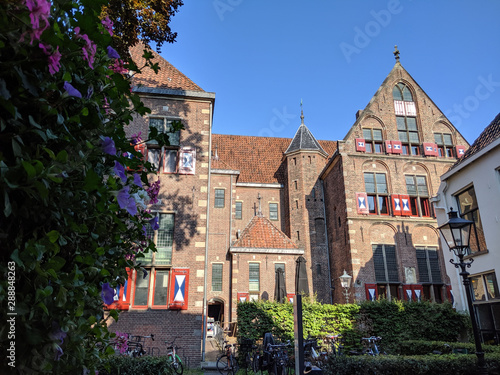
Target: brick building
234, 209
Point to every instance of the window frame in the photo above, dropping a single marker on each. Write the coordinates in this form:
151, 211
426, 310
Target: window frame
272, 211
474, 215
165, 128
484, 286
218, 200
238, 210
409, 147
137, 278
152, 258
254, 280
215, 281
444, 150
154, 286
375, 198
371, 143
391, 276
419, 201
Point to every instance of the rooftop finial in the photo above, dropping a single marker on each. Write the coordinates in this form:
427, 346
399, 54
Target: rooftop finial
301, 113
259, 213
396, 53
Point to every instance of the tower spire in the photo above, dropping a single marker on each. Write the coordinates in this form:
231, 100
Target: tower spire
396, 53
301, 113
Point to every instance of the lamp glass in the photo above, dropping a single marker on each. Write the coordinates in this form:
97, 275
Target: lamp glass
345, 280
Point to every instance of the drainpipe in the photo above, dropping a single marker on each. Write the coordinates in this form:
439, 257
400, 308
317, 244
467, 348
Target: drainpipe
230, 302
205, 307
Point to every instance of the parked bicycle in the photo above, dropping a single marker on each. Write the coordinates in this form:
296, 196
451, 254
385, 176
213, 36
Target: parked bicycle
370, 346
173, 359
227, 363
249, 356
279, 360
136, 345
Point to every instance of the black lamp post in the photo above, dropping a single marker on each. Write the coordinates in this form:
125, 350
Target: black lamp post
456, 232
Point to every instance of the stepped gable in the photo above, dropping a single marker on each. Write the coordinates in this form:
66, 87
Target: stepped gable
258, 159
488, 135
260, 233
304, 141
168, 77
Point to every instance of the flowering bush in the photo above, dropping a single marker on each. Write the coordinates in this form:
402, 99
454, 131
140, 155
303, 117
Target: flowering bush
74, 212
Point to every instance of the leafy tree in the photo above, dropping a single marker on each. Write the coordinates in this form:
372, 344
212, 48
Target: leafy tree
73, 190
146, 20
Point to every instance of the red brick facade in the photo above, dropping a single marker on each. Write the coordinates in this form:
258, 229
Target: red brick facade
252, 204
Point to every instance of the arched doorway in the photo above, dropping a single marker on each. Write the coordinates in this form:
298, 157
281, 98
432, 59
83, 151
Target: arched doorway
216, 310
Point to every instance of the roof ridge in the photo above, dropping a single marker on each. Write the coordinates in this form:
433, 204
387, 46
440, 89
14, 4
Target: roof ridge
268, 236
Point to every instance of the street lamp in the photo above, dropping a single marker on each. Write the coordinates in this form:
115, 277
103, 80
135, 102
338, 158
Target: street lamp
456, 232
345, 282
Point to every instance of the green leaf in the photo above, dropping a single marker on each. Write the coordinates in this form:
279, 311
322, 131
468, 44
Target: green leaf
43, 307
62, 156
30, 170
85, 111
91, 181
53, 235
56, 263
8, 208
50, 152
61, 297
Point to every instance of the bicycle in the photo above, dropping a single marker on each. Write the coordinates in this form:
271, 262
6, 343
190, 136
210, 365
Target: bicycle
279, 361
251, 355
227, 363
136, 343
173, 359
370, 344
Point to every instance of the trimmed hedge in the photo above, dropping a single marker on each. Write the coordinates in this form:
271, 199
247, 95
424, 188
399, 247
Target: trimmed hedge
124, 365
393, 321
420, 347
450, 364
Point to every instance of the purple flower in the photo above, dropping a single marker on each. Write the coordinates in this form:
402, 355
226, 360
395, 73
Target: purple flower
108, 146
55, 61
40, 11
120, 171
137, 180
144, 231
71, 90
108, 25
154, 223
112, 54
126, 201
107, 294
57, 334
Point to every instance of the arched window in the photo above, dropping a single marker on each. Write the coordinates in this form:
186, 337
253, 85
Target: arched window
406, 119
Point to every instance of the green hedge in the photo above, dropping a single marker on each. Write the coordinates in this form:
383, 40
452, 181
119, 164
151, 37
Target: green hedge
450, 364
393, 321
420, 347
123, 365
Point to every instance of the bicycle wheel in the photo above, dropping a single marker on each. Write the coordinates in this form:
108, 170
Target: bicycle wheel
177, 365
223, 366
256, 363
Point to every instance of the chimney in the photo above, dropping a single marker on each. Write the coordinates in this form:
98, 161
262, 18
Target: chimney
358, 113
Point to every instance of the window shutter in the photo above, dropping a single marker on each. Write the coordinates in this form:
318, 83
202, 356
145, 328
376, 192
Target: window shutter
460, 151
391, 262
423, 271
396, 205
388, 147
378, 264
430, 149
170, 161
371, 292
434, 264
360, 144
417, 292
396, 147
362, 203
290, 297
405, 205
399, 107
243, 297
449, 294
143, 150
408, 292
179, 289
122, 294
187, 160
410, 109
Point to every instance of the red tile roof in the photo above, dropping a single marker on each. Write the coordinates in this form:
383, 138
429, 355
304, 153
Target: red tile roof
260, 233
489, 134
258, 159
168, 77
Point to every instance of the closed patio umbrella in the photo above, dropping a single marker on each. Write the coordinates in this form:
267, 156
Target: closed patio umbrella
280, 286
301, 284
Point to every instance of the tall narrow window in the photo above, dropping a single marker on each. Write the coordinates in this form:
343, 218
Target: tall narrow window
280, 265
376, 189
469, 210
416, 187
406, 119
429, 273
386, 270
238, 211
161, 288
273, 211
373, 140
141, 289
164, 125
163, 238
254, 277
217, 277
445, 145
219, 198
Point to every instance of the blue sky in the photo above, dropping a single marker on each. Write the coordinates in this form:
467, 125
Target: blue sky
262, 57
